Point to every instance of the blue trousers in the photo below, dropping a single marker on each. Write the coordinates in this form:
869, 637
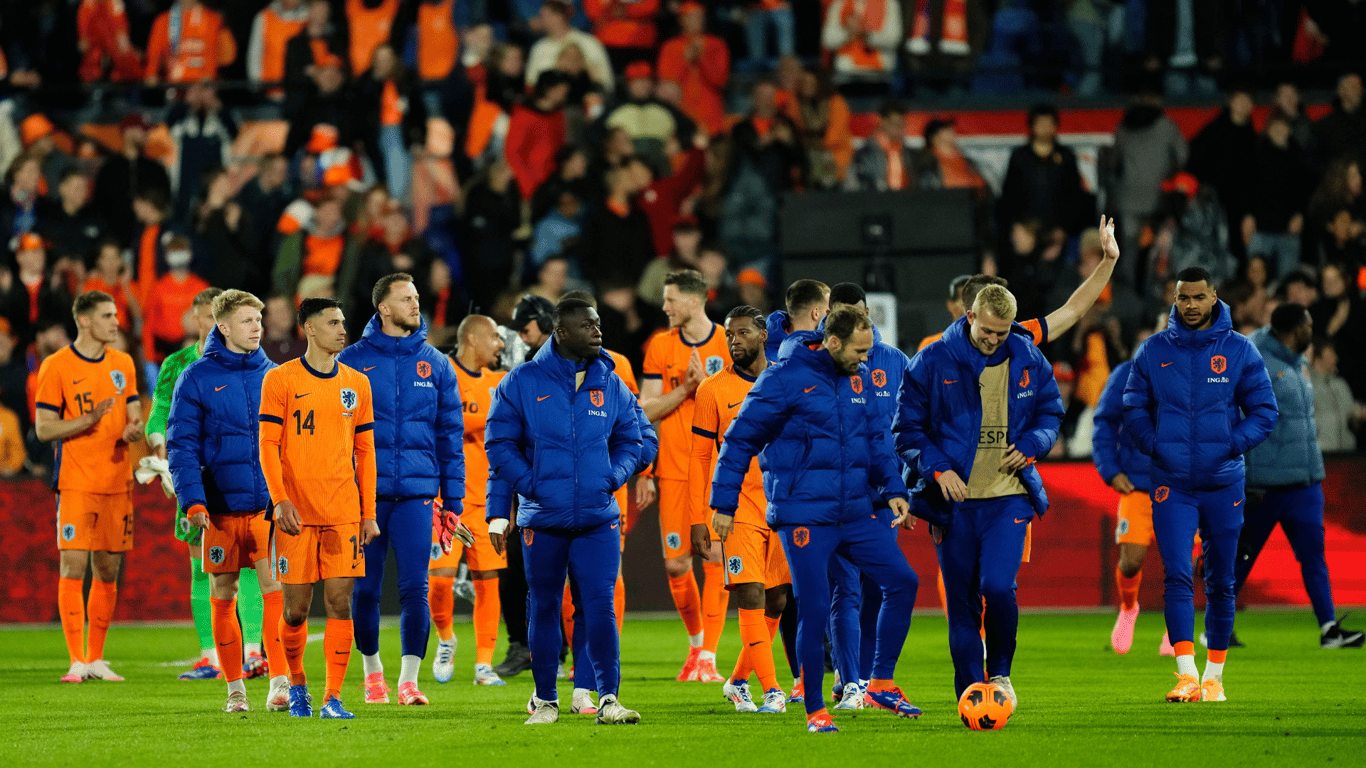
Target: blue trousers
407, 525
979, 555
856, 602
865, 544
591, 557
1300, 514
1218, 514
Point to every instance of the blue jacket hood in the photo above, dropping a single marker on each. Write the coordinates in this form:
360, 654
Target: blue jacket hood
777, 333
1186, 337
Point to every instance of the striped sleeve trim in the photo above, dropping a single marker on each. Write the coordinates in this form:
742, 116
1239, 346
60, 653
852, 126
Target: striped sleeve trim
48, 407
132, 399
704, 432
651, 376
365, 427
272, 419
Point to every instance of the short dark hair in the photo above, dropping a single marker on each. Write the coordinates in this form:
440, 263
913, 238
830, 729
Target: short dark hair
206, 297
86, 302
381, 290
309, 308
753, 313
1194, 275
1300, 277
688, 281
1287, 317
933, 127
569, 307
956, 287
583, 296
847, 293
1043, 109
976, 283
843, 321
804, 293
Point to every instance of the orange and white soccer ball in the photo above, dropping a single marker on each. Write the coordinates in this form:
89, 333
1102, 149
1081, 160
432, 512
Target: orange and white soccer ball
985, 707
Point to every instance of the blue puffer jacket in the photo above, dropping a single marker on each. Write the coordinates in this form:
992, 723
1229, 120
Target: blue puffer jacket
563, 451
818, 446
1112, 447
1291, 455
939, 414
212, 433
419, 431
777, 334
1183, 401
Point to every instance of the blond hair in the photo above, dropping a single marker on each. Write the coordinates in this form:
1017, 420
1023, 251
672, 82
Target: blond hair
996, 300
230, 301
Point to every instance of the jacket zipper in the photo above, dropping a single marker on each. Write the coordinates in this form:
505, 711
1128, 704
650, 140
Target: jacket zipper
574, 443
393, 477
844, 461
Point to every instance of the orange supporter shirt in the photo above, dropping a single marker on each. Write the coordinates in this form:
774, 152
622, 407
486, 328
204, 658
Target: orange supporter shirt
666, 359
322, 255
438, 43
718, 401
318, 442
390, 105
190, 47
170, 299
370, 28
476, 395
703, 81
620, 24
276, 32
70, 385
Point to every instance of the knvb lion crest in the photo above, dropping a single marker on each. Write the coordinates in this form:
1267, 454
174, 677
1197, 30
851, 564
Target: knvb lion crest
424, 369
1024, 380
801, 537
119, 379
1218, 364
596, 397
528, 536
857, 383
282, 566
348, 399
673, 540
216, 555
436, 552
879, 378
715, 364
1160, 495
735, 565
68, 532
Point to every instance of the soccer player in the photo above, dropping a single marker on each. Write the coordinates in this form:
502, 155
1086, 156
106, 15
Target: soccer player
810, 418
807, 303
1198, 397
417, 452
753, 555
87, 401
954, 304
214, 454
479, 347
1126, 469
318, 458
975, 411
1285, 473
676, 361
563, 432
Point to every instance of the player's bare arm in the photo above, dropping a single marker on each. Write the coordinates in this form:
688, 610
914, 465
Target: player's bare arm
51, 427
1080, 302
135, 429
657, 403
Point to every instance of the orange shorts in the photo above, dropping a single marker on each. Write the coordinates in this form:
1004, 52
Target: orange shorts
675, 518
479, 557
236, 541
318, 552
754, 554
1135, 523
622, 501
95, 522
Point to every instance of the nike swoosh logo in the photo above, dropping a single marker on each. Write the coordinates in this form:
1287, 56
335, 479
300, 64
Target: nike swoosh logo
306, 394
218, 389
539, 399
342, 653
77, 381
950, 381
808, 389
1018, 520
371, 368
756, 642
1236, 503
224, 645
736, 405
1164, 365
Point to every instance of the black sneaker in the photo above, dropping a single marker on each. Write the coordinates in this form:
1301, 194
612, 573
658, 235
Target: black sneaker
1337, 637
518, 660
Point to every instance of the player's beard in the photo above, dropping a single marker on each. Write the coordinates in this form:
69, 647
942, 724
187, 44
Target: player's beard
746, 359
1199, 322
409, 326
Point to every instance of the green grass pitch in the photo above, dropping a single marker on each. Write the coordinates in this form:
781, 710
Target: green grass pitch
1290, 704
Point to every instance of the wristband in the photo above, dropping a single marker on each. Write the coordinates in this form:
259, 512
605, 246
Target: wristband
498, 525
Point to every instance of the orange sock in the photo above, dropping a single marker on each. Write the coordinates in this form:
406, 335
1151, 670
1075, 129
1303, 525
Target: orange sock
715, 601
1128, 589
619, 602
442, 602
487, 608
772, 622
294, 640
943, 595
688, 601
878, 684
1184, 648
758, 647
227, 636
822, 712
103, 598
567, 616
273, 605
71, 605
337, 640
1218, 656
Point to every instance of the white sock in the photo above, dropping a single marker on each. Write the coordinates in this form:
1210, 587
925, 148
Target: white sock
372, 665
236, 686
695, 640
1214, 670
250, 648
279, 679
578, 692
707, 656
211, 654
1185, 665
407, 669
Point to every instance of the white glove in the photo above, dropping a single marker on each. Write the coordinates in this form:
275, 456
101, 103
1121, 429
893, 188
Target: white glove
498, 525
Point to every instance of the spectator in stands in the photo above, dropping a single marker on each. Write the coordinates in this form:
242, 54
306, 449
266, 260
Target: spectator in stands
686, 253
558, 230
224, 232
1341, 189
202, 43
1337, 414
32, 290
13, 376
37, 133
662, 198
170, 300
271, 32
615, 149
73, 227
651, 122
320, 41
368, 222
1148, 148
1277, 197
885, 162
617, 240
1074, 440
625, 27
498, 86
396, 249
555, 16
437, 43
715, 269
371, 24
763, 15
12, 453
107, 271
1343, 241
491, 212
570, 175
329, 102
125, 175
102, 39
585, 101
700, 64
1339, 315
1185, 40
280, 337
552, 279
202, 133
1287, 103
394, 119
1219, 156
315, 251
1298, 288
1248, 296
862, 36
264, 199
1042, 179
1342, 132
152, 209
767, 141
24, 209
942, 164
537, 131
751, 287
823, 117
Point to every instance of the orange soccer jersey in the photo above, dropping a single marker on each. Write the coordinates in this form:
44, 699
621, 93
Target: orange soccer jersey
718, 401
318, 442
666, 359
476, 395
70, 385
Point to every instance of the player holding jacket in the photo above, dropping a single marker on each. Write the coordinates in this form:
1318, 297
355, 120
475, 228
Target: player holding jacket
1198, 398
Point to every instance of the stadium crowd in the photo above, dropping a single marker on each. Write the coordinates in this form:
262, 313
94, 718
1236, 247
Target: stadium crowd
593, 146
